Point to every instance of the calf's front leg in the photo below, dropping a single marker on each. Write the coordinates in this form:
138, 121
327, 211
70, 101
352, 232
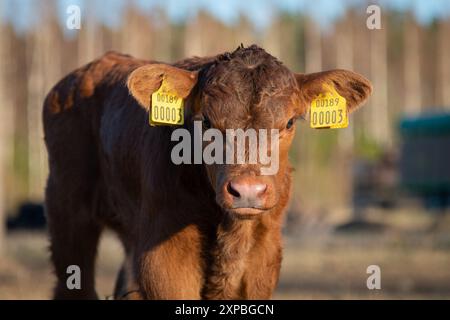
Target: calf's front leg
170, 267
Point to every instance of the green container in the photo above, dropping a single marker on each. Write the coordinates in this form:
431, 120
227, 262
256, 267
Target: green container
425, 153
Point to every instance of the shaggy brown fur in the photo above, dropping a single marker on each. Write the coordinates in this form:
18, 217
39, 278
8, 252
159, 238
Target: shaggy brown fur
108, 168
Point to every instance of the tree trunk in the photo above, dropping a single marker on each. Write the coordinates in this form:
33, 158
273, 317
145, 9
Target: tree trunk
6, 129
344, 60
313, 46
44, 60
443, 65
379, 113
412, 75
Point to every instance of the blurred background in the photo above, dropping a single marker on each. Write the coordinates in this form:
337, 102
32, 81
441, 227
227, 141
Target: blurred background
376, 193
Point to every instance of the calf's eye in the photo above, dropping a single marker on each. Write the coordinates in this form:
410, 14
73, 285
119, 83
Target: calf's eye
290, 123
206, 123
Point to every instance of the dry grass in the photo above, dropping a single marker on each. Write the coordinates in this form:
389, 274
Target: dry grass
27, 273
415, 263
335, 268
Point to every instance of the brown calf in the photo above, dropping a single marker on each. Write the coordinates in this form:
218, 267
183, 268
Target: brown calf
189, 231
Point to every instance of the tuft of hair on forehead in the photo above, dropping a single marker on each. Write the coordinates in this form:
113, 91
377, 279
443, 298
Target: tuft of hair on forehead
248, 66
251, 56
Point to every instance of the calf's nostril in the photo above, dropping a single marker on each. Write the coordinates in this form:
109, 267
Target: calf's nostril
260, 189
233, 190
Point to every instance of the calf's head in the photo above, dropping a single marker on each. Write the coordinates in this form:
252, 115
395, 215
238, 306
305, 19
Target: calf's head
249, 90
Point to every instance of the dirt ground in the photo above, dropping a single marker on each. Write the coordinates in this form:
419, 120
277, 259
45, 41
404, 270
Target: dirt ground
415, 264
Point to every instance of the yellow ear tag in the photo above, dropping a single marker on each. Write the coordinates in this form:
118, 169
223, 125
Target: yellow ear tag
329, 110
167, 107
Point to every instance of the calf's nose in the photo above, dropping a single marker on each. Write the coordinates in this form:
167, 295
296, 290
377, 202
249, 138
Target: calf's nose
247, 192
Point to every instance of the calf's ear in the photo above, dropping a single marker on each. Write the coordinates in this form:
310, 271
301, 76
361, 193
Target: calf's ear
147, 79
352, 86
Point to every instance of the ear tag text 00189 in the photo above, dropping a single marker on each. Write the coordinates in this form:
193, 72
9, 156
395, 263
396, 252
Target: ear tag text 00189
329, 110
167, 107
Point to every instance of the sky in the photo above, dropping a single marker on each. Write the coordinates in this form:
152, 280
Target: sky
260, 12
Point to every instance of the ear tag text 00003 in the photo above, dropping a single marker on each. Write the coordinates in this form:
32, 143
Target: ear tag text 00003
167, 107
329, 110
